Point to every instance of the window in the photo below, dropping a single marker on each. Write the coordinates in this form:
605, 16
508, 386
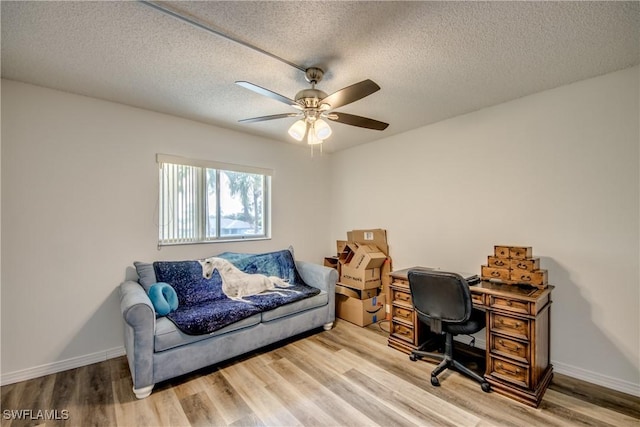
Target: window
203, 201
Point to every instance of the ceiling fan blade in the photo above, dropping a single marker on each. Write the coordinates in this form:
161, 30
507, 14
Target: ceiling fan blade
272, 117
351, 94
353, 120
268, 93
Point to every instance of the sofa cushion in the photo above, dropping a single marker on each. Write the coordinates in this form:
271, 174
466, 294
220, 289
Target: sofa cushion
146, 274
168, 335
296, 307
186, 278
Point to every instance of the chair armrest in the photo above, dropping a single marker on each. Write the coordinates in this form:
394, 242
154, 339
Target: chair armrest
318, 276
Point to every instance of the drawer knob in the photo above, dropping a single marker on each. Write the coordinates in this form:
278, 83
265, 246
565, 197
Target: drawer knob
517, 347
515, 372
509, 303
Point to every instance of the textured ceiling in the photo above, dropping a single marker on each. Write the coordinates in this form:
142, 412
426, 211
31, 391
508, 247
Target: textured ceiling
433, 60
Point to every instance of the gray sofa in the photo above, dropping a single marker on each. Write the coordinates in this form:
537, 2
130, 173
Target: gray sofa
157, 350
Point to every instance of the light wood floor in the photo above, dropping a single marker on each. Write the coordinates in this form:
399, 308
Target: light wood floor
344, 377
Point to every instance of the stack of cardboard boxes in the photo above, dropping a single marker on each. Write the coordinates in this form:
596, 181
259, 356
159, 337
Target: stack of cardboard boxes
363, 266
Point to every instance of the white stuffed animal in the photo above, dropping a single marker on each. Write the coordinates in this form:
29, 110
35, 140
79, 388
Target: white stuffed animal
237, 284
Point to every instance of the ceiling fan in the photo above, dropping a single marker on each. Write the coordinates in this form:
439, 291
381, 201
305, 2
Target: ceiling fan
314, 106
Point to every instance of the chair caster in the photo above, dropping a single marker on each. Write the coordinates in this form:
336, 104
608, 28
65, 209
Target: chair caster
413, 357
435, 382
486, 387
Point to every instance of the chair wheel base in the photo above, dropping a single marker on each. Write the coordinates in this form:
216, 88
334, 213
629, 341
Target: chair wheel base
413, 357
435, 382
486, 387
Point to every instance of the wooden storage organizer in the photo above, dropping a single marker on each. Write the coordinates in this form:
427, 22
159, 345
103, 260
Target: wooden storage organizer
517, 334
514, 265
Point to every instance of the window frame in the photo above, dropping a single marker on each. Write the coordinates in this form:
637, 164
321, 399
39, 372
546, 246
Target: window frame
201, 203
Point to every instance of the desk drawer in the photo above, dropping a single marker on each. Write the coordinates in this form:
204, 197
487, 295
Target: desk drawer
504, 346
511, 372
403, 314
509, 305
495, 273
494, 261
403, 332
402, 297
512, 326
477, 299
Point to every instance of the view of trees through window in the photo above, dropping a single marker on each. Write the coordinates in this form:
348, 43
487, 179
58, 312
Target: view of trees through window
204, 204
241, 203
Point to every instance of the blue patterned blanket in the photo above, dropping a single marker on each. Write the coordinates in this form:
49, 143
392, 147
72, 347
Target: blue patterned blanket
204, 308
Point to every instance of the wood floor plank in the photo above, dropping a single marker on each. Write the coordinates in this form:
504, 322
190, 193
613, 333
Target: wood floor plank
129, 410
262, 403
200, 410
227, 400
308, 380
578, 406
347, 376
93, 391
315, 403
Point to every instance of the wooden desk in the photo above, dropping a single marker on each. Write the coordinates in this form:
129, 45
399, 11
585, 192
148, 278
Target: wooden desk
517, 334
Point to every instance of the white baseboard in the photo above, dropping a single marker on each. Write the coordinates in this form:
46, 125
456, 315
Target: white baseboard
595, 378
63, 365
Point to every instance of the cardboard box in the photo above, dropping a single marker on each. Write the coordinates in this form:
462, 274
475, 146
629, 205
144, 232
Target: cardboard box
367, 257
348, 251
331, 261
340, 245
359, 278
343, 289
356, 310
376, 237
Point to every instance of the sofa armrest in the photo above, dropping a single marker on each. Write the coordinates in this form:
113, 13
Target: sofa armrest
140, 321
318, 276
323, 278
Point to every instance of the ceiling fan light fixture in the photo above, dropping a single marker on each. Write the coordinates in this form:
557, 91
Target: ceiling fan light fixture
298, 129
312, 139
322, 129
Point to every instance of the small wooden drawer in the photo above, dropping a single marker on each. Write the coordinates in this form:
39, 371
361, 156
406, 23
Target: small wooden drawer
501, 251
402, 314
509, 304
403, 332
529, 264
507, 347
477, 299
534, 278
520, 252
511, 372
497, 262
401, 282
402, 297
512, 326
495, 273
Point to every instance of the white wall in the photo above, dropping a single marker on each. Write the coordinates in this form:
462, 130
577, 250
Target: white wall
558, 171
79, 205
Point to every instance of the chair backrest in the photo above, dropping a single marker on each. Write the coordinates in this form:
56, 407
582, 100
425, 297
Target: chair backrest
441, 296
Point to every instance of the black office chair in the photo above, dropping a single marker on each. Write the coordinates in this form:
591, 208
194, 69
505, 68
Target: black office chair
443, 301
